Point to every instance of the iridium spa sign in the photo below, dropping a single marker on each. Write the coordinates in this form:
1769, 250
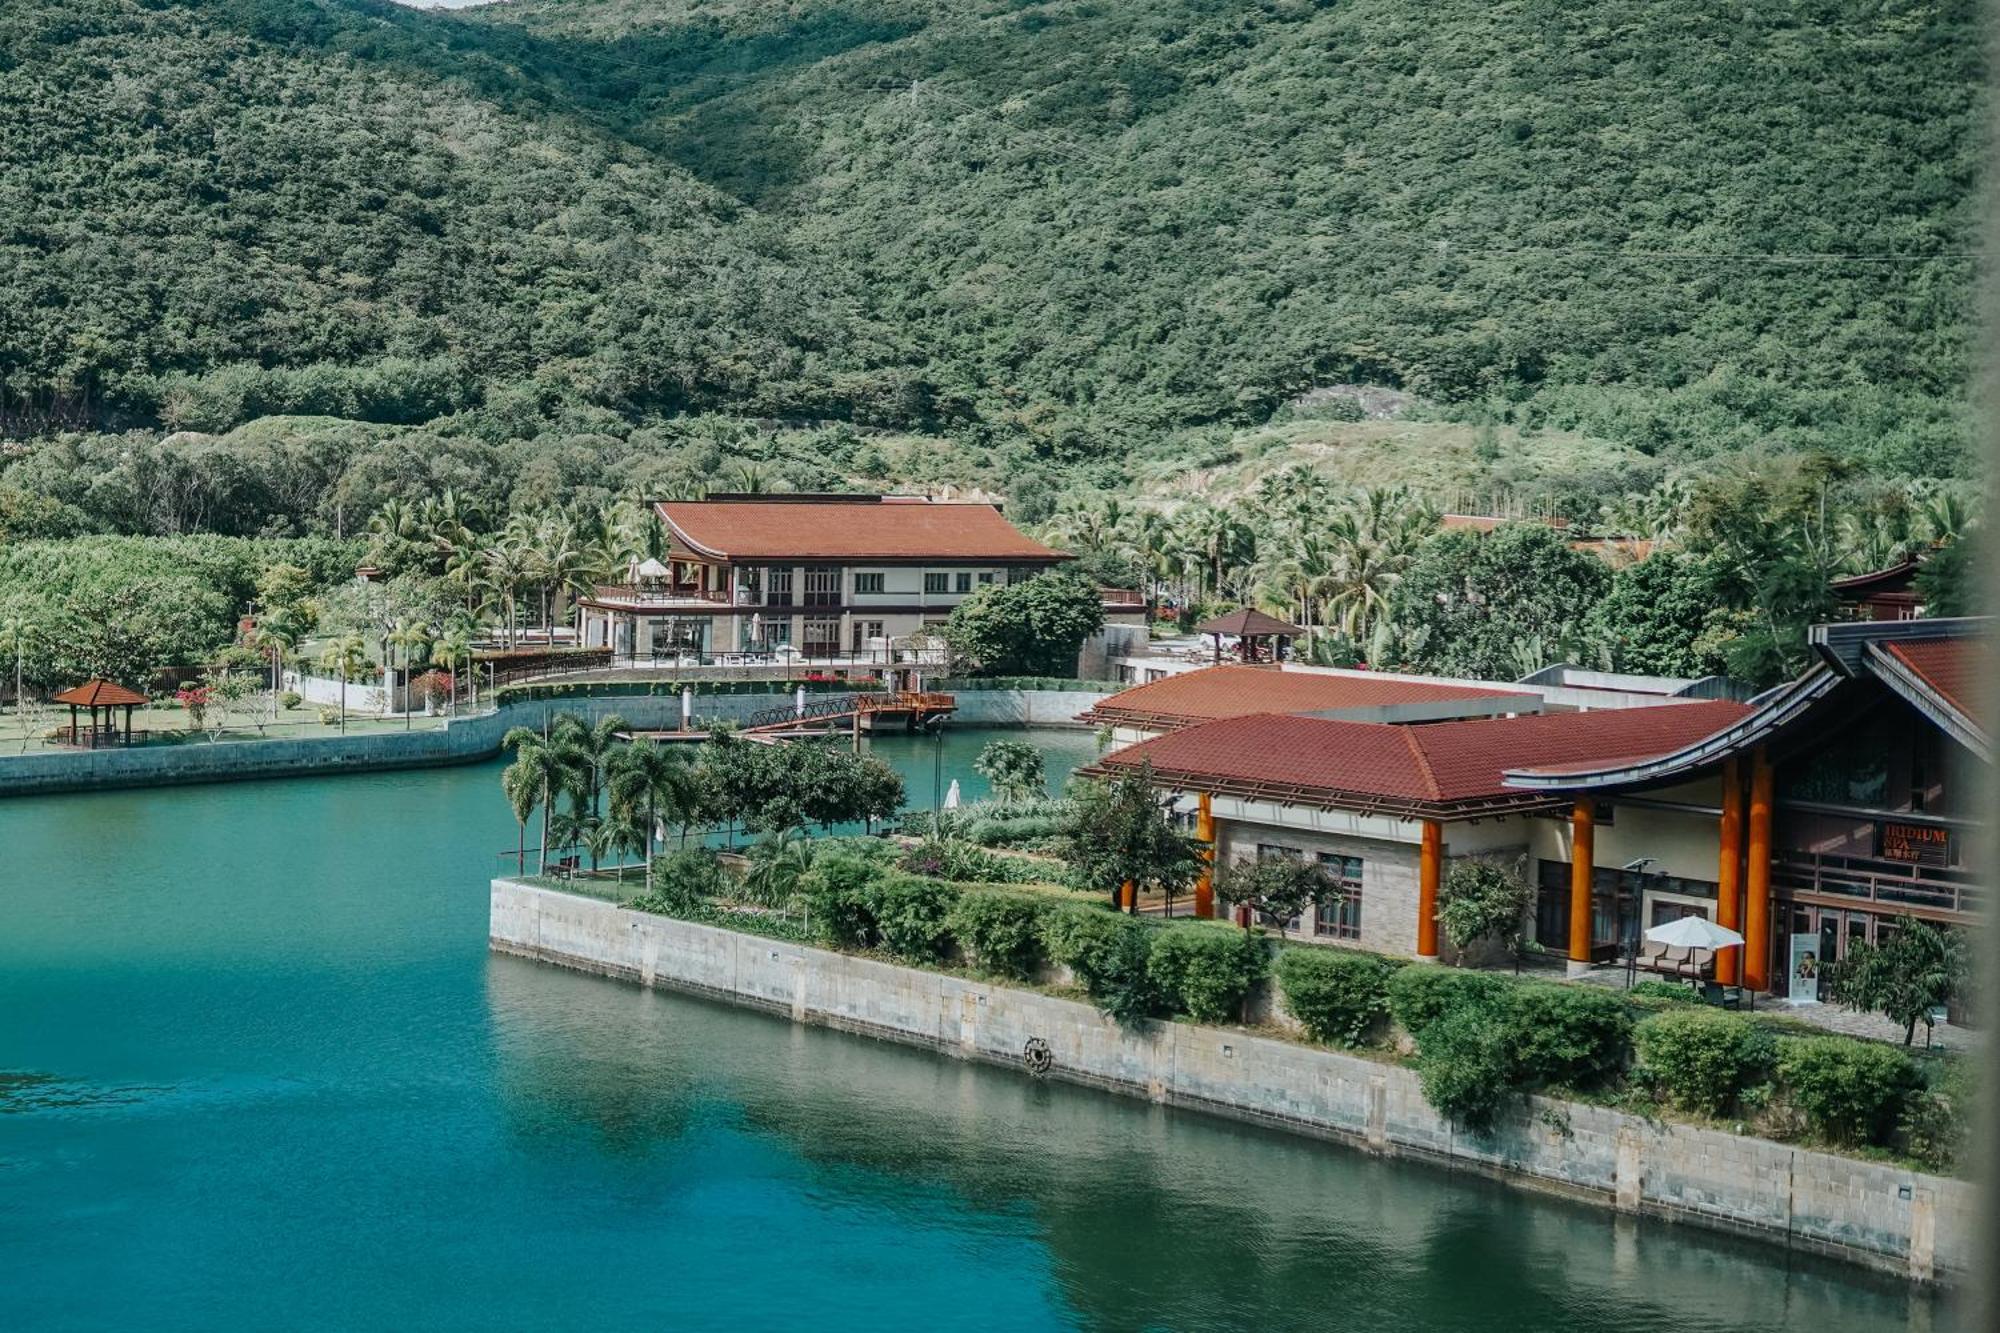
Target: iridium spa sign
1917, 844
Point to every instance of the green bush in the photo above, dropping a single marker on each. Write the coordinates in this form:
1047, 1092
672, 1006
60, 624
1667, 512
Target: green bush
1420, 996
1000, 931
1205, 969
1663, 994
837, 896
1339, 995
1108, 952
1568, 1036
1935, 1126
1465, 1064
684, 882
1849, 1090
910, 916
290, 699
1703, 1059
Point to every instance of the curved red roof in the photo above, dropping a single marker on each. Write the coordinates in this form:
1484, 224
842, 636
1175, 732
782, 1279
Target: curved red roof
99, 693
859, 527
1239, 691
1439, 769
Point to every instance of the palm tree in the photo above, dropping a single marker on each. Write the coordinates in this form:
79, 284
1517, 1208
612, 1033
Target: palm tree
415, 641
586, 754
346, 655
576, 826
619, 832
524, 792
537, 765
15, 632
649, 776
506, 568
777, 861
452, 650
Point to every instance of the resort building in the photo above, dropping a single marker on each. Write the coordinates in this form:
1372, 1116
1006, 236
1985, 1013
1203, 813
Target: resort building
1807, 819
1386, 807
815, 576
1838, 803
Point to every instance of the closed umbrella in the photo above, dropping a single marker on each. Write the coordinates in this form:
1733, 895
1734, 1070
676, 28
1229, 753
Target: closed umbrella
951, 795
1694, 932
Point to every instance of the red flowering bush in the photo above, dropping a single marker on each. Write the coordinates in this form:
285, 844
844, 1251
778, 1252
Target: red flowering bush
195, 699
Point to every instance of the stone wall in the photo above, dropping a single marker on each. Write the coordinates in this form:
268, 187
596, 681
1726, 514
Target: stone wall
461, 740
1023, 708
1883, 1216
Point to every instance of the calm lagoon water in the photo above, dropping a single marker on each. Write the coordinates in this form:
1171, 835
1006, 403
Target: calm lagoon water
258, 1070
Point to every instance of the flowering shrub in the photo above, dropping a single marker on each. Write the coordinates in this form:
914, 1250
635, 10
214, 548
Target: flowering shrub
195, 699
434, 688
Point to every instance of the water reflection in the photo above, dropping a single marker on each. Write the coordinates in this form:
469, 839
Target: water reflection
1148, 1218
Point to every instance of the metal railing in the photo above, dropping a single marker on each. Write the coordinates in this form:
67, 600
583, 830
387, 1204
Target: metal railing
842, 705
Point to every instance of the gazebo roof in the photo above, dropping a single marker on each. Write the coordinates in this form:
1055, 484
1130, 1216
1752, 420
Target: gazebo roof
99, 694
1245, 621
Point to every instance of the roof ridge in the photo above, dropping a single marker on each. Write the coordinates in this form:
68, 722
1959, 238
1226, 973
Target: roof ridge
1423, 761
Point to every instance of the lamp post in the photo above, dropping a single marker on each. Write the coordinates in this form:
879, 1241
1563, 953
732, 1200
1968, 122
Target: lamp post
1629, 940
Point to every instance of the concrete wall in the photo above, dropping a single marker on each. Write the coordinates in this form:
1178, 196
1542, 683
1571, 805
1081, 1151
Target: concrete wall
1885, 1217
461, 740
1023, 708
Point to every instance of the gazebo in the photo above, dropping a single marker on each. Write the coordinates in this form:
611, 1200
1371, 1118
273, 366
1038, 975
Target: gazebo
96, 694
1250, 628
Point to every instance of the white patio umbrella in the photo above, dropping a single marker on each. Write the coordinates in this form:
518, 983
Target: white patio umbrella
652, 569
1693, 932
951, 795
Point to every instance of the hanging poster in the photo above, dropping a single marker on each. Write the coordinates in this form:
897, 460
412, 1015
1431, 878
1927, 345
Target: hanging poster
1805, 969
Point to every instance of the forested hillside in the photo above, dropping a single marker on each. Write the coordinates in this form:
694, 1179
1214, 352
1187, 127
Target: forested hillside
1069, 237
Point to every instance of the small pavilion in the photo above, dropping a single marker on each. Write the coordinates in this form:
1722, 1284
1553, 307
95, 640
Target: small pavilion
96, 694
1259, 638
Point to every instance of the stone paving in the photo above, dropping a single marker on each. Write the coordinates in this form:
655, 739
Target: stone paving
1832, 1017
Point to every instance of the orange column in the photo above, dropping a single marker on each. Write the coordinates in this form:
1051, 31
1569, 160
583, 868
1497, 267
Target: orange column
1582, 861
1204, 831
1757, 877
1128, 894
1430, 872
1729, 870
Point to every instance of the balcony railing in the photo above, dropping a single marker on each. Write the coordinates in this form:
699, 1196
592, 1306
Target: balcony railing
1883, 886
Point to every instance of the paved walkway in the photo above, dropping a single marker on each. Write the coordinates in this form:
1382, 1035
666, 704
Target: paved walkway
1832, 1017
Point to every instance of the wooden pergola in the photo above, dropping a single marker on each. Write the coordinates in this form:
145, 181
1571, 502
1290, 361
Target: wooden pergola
96, 694
1250, 628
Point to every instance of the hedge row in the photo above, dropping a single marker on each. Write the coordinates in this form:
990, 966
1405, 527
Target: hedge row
973, 684
1482, 1039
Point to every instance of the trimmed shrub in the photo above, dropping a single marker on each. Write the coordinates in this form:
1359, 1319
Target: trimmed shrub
1703, 1059
1000, 931
290, 699
1569, 1036
1850, 1091
1339, 995
910, 916
1108, 952
1465, 1064
1420, 996
685, 879
837, 896
1205, 969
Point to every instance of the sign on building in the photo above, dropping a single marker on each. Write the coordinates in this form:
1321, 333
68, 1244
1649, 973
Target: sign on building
1916, 844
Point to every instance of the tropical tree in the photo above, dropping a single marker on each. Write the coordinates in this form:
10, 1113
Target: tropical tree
777, 861
1916, 970
452, 651
346, 656
535, 777
653, 778
1116, 833
414, 641
1015, 768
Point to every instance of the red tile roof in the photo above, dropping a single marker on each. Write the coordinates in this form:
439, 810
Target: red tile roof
99, 693
1447, 769
1238, 691
851, 528
1955, 669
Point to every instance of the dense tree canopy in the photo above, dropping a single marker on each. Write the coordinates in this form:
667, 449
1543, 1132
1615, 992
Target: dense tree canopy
1496, 605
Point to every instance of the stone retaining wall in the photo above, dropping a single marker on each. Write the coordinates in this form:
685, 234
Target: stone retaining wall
1882, 1216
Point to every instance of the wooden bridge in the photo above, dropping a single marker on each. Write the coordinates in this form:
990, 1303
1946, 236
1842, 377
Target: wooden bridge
829, 714
867, 712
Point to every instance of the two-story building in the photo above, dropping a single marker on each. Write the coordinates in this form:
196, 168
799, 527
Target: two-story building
819, 576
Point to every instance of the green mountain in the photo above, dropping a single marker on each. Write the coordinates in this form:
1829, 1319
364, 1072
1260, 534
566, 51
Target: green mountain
1067, 234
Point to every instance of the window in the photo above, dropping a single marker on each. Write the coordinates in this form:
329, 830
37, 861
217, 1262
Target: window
985, 577
773, 632
822, 637
1340, 917
864, 632
965, 581
780, 579
822, 585
937, 583
866, 583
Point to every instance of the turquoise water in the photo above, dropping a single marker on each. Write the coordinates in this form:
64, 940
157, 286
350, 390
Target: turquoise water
258, 1070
